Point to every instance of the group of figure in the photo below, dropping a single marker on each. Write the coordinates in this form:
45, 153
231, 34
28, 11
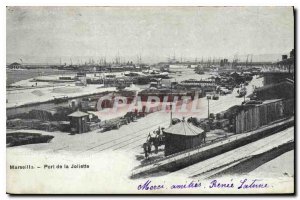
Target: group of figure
156, 139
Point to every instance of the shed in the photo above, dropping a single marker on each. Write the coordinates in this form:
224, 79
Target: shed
78, 122
182, 136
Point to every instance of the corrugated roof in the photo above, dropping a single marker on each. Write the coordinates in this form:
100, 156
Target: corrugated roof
78, 114
184, 128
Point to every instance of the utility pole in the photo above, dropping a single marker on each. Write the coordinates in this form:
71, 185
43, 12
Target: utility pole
171, 104
208, 98
171, 113
245, 93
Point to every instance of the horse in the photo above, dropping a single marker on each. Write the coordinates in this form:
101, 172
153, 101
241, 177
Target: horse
147, 149
157, 139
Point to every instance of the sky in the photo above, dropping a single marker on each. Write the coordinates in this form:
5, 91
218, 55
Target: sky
51, 34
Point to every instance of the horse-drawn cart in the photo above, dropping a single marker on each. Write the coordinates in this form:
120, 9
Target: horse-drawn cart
116, 123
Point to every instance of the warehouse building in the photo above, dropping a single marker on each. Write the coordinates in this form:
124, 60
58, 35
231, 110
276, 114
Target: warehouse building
276, 77
281, 90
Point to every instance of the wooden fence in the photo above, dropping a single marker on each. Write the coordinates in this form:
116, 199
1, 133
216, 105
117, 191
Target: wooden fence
252, 118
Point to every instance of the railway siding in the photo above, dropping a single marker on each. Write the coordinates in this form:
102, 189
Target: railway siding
193, 156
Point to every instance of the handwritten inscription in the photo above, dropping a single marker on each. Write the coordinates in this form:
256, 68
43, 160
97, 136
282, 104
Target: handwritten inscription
249, 184
192, 184
217, 184
241, 184
149, 186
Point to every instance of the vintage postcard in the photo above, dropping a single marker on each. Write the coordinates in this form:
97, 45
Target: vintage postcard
150, 100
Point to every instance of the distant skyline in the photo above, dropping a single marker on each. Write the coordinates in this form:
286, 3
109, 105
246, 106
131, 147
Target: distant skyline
48, 34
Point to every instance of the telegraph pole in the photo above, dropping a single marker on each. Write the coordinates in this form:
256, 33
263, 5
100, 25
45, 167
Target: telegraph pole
208, 98
171, 104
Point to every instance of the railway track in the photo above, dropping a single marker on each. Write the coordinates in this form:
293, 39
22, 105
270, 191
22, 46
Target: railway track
206, 168
134, 140
133, 136
215, 105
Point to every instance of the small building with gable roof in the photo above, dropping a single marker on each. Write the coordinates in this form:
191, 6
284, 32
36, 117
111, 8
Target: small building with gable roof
78, 122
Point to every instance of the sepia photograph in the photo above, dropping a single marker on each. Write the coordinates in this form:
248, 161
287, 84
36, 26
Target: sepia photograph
150, 100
